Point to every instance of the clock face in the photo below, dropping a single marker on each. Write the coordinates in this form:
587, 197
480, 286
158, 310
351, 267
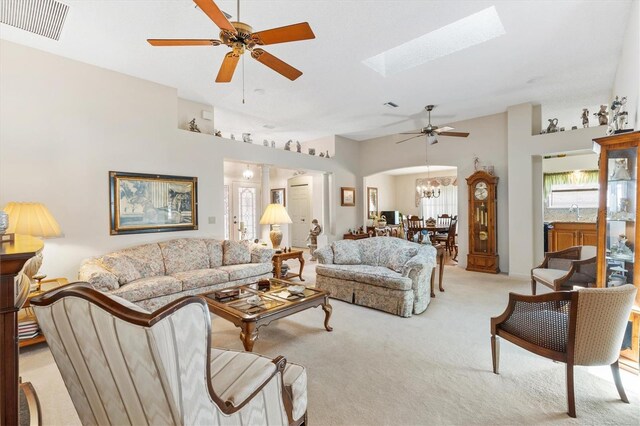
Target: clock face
481, 191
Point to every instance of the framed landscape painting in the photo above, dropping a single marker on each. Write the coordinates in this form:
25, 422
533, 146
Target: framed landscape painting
347, 196
152, 203
278, 196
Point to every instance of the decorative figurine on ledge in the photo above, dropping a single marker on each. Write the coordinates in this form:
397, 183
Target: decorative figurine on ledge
287, 146
619, 117
265, 143
553, 125
603, 115
298, 146
193, 127
217, 133
585, 118
273, 144
315, 230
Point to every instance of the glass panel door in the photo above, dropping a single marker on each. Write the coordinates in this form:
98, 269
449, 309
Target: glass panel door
246, 211
621, 213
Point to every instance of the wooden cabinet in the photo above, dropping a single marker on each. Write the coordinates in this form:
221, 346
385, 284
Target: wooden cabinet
618, 261
563, 235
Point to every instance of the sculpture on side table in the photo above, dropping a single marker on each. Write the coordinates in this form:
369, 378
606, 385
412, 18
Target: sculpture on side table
315, 230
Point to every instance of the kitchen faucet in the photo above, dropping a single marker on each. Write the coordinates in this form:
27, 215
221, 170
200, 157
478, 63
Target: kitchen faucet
575, 208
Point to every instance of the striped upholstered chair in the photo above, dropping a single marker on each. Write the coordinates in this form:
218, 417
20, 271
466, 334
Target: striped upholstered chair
125, 366
583, 327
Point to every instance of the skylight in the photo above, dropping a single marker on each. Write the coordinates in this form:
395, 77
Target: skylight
466, 32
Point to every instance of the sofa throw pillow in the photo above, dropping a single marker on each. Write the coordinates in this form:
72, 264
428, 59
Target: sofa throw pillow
399, 257
346, 252
214, 248
236, 252
120, 265
184, 254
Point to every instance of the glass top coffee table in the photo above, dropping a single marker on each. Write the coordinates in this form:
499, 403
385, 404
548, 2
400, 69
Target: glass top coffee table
251, 306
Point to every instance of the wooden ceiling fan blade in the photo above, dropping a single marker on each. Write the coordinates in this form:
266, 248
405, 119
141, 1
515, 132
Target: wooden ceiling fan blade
405, 140
455, 134
183, 42
276, 64
443, 129
295, 32
216, 15
411, 133
227, 68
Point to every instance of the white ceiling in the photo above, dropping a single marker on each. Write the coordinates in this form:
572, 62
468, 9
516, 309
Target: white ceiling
559, 53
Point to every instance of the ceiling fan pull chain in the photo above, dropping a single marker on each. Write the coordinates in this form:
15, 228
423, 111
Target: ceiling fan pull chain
242, 77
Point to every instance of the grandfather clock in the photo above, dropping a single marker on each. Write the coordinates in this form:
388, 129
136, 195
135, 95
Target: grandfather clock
483, 233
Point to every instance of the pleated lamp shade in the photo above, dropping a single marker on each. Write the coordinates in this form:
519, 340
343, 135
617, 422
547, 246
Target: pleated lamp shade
275, 214
33, 219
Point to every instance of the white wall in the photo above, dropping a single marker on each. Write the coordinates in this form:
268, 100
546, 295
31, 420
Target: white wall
386, 185
188, 110
627, 82
525, 151
569, 163
66, 124
487, 140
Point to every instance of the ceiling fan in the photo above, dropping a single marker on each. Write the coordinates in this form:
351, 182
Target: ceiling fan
240, 37
432, 132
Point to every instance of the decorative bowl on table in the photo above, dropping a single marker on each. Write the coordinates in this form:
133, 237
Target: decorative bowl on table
296, 289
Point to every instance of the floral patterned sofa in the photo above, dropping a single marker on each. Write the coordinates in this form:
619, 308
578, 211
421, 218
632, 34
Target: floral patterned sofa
152, 275
386, 273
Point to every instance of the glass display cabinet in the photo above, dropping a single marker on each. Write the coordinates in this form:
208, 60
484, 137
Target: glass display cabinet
618, 261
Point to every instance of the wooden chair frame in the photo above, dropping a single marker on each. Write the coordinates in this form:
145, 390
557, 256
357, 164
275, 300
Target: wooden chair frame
83, 290
566, 357
572, 254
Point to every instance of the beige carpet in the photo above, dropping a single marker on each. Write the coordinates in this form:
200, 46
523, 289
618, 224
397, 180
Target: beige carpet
433, 368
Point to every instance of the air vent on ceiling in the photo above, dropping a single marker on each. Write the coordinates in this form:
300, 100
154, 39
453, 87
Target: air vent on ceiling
269, 126
42, 17
390, 104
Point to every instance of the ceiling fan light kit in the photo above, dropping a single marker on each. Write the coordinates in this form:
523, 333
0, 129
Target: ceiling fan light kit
240, 37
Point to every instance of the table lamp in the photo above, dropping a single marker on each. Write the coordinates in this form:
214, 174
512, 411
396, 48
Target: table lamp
36, 220
275, 215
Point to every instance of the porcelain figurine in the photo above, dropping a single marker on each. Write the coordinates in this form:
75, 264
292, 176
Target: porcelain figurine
193, 127
298, 146
553, 125
312, 151
287, 146
603, 115
585, 118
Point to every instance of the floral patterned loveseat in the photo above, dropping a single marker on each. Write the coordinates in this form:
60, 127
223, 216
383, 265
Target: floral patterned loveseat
386, 273
152, 275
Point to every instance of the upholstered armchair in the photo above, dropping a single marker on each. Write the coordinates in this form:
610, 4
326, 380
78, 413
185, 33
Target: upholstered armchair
561, 270
123, 365
583, 327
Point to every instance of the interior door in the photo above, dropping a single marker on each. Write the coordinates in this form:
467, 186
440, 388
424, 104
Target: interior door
245, 211
299, 208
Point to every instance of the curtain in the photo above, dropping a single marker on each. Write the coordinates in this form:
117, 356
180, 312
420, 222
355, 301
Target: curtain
447, 203
573, 178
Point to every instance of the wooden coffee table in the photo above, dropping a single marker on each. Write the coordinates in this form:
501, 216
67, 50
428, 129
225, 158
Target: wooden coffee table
273, 306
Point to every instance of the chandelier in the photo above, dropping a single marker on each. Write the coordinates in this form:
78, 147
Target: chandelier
428, 190
247, 174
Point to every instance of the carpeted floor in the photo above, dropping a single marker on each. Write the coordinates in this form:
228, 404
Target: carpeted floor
433, 368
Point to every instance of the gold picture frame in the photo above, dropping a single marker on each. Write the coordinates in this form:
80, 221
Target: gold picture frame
142, 203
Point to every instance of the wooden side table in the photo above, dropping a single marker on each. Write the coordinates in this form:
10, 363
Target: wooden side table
440, 260
277, 263
28, 314
355, 236
630, 358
